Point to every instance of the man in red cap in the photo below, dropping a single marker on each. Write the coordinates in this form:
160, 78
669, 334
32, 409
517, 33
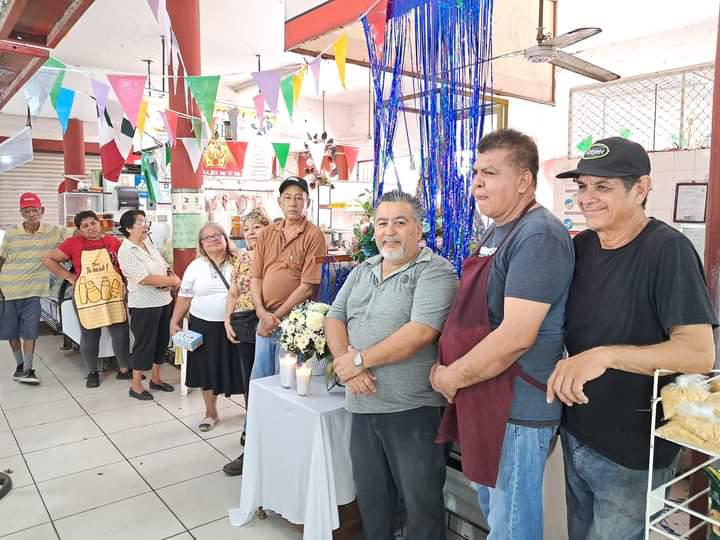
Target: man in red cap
23, 281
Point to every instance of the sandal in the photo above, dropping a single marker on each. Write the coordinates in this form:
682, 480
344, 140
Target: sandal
207, 424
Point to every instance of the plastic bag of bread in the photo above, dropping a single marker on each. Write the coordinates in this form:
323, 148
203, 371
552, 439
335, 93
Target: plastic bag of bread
700, 419
676, 432
684, 388
715, 386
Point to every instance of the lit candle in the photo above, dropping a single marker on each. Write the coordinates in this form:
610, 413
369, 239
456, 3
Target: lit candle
288, 361
303, 373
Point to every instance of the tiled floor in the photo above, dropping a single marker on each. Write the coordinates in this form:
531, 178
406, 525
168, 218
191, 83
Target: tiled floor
95, 464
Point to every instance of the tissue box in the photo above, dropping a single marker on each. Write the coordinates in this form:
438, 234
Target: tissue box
187, 339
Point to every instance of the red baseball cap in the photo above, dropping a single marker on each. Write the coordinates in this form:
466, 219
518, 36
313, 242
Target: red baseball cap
30, 200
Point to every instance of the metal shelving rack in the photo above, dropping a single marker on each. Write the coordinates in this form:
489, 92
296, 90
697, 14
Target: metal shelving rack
659, 506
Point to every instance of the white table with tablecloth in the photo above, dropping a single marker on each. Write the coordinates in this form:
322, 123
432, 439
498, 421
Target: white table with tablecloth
297, 456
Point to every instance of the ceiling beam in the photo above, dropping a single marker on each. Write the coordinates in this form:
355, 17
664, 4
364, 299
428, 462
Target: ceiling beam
74, 11
35, 57
10, 17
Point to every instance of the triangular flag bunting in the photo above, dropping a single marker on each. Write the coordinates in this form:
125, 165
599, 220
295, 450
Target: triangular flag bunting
259, 101
281, 152
297, 82
141, 117
194, 151
125, 136
269, 84
100, 91
63, 106
129, 91
37, 89
286, 85
317, 153
52, 63
111, 161
170, 119
168, 154
197, 128
315, 68
238, 149
341, 56
154, 7
204, 90
377, 20
351, 154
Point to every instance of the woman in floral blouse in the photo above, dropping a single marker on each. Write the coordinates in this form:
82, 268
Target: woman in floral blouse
239, 299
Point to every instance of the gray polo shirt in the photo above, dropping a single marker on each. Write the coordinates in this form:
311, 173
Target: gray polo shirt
422, 291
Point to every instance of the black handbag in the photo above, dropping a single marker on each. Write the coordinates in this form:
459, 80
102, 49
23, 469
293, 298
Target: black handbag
244, 323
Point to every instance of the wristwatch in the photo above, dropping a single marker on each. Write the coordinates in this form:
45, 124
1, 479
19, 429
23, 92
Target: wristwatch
358, 360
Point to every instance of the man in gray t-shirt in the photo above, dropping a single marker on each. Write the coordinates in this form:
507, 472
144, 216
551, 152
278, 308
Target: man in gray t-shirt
382, 330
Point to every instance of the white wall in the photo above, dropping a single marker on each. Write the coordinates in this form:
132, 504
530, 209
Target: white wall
42, 127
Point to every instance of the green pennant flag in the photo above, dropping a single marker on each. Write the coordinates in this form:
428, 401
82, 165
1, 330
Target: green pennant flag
282, 149
286, 85
584, 144
55, 91
204, 90
168, 154
197, 128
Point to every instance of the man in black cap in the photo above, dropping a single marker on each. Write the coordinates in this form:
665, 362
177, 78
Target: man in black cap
285, 272
638, 302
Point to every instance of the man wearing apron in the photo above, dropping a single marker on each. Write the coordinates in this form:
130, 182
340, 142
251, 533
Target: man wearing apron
503, 337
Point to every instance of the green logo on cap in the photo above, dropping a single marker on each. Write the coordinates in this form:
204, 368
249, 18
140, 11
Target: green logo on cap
597, 151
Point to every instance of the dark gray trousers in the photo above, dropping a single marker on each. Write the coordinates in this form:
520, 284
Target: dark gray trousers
396, 451
90, 345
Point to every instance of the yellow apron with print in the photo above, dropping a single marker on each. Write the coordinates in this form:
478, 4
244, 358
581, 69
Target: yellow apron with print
99, 291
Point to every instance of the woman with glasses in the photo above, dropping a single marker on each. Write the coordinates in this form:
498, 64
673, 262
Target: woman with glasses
214, 366
150, 282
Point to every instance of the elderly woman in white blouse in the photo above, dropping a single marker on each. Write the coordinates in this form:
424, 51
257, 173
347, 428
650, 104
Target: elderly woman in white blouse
149, 282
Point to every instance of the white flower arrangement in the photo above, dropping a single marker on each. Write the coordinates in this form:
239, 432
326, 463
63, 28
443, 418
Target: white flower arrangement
303, 330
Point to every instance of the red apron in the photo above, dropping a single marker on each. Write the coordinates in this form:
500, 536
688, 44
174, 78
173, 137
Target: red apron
478, 417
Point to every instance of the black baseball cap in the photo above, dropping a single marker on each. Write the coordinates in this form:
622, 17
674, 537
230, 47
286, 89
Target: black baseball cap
612, 158
294, 181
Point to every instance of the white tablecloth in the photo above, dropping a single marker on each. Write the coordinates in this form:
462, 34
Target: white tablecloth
297, 456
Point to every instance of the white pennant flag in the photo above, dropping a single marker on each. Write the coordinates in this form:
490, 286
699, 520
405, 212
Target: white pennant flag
37, 89
317, 153
194, 151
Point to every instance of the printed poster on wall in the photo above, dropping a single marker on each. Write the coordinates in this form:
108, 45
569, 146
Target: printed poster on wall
259, 159
224, 158
185, 229
571, 216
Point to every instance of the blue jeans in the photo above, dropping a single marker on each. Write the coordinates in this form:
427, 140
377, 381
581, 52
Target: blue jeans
267, 356
605, 500
514, 507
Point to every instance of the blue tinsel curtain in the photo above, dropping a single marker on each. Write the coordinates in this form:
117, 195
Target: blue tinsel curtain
450, 45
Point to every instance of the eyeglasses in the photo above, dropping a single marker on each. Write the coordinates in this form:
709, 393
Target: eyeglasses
216, 236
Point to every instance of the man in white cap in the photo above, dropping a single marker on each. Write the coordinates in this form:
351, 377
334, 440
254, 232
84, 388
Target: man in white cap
23, 281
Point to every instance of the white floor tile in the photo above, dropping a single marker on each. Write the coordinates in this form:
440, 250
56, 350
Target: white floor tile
192, 404
108, 383
272, 528
202, 500
32, 395
35, 415
17, 469
228, 445
45, 436
91, 489
8, 385
21, 509
132, 417
3, 423
41, 532
72, 458
144, 517
108, 401
153, 438
178, 464
183, 536
231, 421
8, 446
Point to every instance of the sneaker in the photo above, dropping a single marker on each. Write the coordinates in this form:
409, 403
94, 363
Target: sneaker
235, 467
18, 373
28, 377
93, 380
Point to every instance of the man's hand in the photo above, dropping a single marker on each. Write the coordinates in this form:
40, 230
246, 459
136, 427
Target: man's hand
345, 367
362, 384
268, 322
441, 383
570, 375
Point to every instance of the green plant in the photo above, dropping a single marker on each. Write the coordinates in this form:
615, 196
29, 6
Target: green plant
364, 245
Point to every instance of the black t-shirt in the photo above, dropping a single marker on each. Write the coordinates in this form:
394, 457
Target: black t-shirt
632, 295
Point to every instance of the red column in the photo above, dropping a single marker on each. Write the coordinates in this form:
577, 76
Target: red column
185, 19
74, 151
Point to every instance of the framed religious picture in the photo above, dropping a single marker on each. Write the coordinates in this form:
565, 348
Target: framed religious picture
690, 202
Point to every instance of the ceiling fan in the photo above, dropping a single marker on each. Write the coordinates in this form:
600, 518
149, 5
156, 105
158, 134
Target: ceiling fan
548, 49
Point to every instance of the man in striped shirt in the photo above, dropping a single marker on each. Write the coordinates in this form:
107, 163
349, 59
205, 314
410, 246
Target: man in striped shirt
23, 281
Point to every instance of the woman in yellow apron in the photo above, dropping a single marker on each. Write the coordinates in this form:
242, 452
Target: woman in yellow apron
99, 291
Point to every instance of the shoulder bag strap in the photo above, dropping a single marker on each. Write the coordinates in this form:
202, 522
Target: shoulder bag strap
215, 266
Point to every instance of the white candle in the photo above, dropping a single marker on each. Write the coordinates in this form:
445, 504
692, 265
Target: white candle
287, 369
303, 379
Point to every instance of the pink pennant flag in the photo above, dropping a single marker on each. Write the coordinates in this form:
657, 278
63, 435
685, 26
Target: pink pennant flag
154, 7
377, 20
129, 91
100, 91
170, 120
259, 108
315, 68
351, 154
269, 84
